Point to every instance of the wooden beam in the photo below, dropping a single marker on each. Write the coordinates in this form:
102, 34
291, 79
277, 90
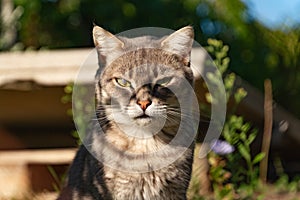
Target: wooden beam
55, 67
52, 156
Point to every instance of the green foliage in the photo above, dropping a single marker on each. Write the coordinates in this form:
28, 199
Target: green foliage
239, 134
220, 177
284, 185
72, 20
235, 173
219, 52
284, 63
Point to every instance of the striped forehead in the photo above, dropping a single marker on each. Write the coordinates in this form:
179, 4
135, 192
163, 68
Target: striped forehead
144, 65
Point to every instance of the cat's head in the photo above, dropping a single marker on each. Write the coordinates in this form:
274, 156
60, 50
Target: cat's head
143, 81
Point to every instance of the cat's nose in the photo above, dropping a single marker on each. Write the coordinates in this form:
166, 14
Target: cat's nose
144, 103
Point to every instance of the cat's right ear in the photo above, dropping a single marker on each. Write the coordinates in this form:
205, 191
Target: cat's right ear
107, 45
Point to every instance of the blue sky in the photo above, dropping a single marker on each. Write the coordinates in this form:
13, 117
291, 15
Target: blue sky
275, 12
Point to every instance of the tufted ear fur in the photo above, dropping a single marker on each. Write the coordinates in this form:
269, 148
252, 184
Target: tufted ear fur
108, 45
180, 42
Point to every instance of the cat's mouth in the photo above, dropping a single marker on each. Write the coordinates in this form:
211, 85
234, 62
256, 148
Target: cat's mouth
143, 120
143, 116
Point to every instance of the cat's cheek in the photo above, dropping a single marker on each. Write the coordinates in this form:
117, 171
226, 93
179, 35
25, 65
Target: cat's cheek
104, 95
122, 96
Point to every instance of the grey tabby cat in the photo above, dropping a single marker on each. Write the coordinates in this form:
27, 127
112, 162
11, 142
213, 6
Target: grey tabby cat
138, 89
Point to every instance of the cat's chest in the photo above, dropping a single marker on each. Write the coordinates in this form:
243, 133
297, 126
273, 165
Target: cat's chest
141, 186
160, 184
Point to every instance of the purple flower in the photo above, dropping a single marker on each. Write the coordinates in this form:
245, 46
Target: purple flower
221, 147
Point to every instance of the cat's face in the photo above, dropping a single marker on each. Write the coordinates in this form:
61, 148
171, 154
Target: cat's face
143, 79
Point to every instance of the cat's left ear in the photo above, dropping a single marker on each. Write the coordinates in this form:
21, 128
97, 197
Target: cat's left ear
180, 42
109, 46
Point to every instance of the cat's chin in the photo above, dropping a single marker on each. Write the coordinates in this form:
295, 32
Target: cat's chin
143, 121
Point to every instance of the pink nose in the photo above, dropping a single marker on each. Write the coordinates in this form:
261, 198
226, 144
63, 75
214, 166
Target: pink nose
144, 104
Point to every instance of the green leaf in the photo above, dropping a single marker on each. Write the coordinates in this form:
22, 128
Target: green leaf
210, 49
226, 133
258, 158
68, 89
57, 181
212, 77
229, 81
240, 95
225, 48
208, 97
243, 151
251, 137
245, 127
243, 136
53, 173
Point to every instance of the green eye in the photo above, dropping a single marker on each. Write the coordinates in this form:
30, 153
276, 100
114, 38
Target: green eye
164, 81
122, 82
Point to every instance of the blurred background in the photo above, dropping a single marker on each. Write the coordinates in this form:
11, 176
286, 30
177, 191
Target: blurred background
263, 35
43, 42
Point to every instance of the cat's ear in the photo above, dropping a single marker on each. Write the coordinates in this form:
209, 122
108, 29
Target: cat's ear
106, 43
180, 42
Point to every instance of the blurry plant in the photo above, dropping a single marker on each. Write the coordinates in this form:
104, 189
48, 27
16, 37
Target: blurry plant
67, 98
231, 171
285, 45
8, 24
217, 171
283, 184
81, 109
244, 167
58, 180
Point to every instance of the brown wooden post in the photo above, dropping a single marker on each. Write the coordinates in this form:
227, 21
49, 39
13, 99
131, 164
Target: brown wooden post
268, 115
